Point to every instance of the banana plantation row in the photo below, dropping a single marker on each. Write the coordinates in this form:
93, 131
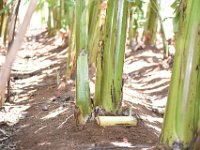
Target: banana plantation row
98, 31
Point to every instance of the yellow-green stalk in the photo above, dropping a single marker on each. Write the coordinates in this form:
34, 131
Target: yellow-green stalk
83, 101
182, 112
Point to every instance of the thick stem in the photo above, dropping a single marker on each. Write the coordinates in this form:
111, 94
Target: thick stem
182, 114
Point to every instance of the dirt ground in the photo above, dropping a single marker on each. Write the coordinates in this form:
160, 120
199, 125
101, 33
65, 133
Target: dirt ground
40, 115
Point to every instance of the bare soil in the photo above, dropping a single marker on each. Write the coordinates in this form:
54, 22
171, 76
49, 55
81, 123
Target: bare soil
40, 115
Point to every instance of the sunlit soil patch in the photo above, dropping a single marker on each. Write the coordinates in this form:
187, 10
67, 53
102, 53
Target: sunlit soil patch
146, 85
54, 113
11, 114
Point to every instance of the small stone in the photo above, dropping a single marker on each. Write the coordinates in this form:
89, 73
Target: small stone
45, 108
53, 99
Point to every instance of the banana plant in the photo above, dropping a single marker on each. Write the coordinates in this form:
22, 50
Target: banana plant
119, 54
135, 14
5, 13
150, 28
83, 101
70, 7
108, 53
110, 59
94, 30
180, 129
